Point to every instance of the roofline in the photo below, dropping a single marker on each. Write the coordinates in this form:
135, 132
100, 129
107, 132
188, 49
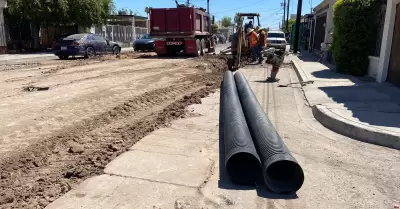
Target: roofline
322, 6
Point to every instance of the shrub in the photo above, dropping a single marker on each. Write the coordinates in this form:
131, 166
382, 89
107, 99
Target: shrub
355, 28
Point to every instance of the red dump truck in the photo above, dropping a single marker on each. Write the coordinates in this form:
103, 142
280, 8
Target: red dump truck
181, 30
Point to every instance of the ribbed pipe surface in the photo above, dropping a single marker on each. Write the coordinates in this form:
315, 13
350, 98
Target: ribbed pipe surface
282, 173
242, 162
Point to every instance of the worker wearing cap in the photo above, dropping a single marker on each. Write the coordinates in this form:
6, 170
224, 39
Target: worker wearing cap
253, 36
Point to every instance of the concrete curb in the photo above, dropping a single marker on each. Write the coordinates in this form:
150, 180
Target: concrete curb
348, 127
355, 130
299, 71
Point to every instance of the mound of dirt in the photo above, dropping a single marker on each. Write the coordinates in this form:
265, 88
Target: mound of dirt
38, 175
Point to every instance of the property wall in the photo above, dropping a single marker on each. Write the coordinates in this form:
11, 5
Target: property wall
329, 22
3, 41
373, 66
119, 33
387, 39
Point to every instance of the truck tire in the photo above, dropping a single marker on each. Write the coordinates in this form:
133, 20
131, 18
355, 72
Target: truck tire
203, 47
198, 48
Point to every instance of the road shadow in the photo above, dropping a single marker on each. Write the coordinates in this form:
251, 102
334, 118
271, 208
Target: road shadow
225, 183
374, 104
265, 81
332, 74
263, 191
307, 57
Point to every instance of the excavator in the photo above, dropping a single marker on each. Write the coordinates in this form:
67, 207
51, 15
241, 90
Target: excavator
240, 47
239, 52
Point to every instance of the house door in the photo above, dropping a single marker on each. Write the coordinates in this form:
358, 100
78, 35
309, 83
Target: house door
319, 34
394, 64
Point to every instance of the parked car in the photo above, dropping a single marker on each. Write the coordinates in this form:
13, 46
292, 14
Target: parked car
276, 39
87, 45
144, 43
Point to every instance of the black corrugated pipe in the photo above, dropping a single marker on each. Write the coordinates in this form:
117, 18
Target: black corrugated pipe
242, 162
282, 173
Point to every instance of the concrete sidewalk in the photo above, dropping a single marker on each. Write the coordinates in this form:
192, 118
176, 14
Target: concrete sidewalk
355, 107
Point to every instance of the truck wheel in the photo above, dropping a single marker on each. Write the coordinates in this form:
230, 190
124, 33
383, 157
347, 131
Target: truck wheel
198, 48
203, 46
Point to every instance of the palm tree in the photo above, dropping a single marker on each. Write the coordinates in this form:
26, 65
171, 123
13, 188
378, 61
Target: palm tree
147, 10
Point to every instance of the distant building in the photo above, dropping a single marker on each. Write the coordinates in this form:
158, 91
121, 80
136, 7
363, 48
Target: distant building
293, 16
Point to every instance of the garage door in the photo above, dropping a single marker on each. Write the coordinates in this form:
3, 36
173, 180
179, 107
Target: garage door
394, 65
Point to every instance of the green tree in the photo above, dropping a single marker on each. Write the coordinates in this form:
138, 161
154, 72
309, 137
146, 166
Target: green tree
354, 31
84, 13
226, 22
215, 28
291, 22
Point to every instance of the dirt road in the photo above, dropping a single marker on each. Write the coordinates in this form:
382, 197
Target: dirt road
183, 166
63, 121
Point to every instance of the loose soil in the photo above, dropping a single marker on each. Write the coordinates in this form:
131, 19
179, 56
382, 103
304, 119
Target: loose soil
91, 111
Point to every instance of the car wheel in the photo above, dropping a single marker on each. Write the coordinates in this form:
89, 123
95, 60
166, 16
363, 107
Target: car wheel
90, 53
63, 57
116, 50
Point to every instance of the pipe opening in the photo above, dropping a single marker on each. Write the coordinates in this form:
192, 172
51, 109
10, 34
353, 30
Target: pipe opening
243, 169
284, 176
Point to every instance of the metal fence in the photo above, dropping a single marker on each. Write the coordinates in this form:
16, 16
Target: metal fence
121, 34
3, 35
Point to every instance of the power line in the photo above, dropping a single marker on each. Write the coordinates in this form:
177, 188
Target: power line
239, 7
274, 13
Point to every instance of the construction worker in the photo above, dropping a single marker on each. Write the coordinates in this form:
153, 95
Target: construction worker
248, 25
276, 61
253, 44
262, 42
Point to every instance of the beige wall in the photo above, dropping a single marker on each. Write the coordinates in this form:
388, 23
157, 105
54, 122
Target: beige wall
329, 22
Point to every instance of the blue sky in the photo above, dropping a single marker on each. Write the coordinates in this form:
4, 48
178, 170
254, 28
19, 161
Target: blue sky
270, 10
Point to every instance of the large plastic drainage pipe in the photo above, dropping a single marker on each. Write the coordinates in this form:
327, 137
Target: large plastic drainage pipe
242, 163
282, 173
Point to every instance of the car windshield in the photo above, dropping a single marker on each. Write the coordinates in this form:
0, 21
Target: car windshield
276, 35
75, 37
146, 36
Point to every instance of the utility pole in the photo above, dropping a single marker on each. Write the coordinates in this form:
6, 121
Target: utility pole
284, 13
287, 16
297, 30
209, 17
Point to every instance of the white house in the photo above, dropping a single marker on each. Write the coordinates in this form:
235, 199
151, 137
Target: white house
386, 67
385, 64
323, 26
3, 41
